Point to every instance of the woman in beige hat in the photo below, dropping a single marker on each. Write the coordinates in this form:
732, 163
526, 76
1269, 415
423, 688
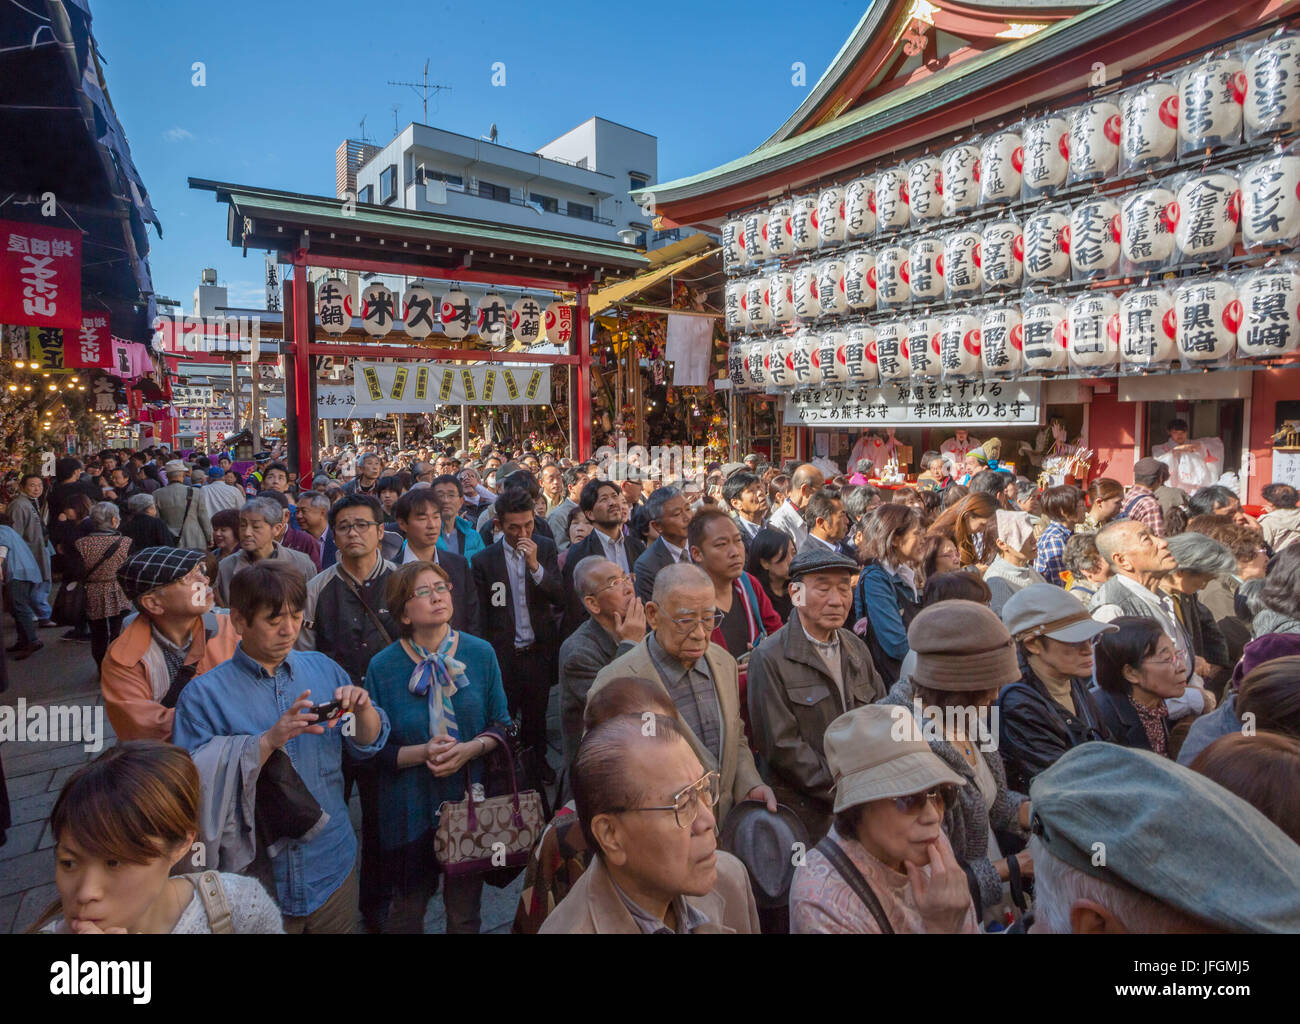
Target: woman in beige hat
886, 865
964, 656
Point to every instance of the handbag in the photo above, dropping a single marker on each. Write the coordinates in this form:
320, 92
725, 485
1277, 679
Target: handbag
498, 832
69, 607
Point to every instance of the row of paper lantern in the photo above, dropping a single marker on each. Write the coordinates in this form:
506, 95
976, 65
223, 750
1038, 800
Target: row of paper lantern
526, 320
1191, 218
1142, 129
1200, 323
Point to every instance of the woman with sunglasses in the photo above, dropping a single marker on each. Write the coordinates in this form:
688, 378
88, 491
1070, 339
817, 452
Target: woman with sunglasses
886, 866
964, 656
442, 691
1137, 671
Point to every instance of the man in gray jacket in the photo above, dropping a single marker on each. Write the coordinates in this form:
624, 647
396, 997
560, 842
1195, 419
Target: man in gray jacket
25, 515
183, 508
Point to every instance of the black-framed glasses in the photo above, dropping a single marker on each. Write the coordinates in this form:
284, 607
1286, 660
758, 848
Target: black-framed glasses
945, 795
710, 622
355, 527
686, 802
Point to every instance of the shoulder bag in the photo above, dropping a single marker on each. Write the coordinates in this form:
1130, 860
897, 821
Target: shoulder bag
69, 607
840, 861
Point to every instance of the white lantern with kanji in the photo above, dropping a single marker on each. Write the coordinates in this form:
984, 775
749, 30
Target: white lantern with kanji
755, 223
734, 306
756, 363
923, 347
805, 359
830, 216
960, 178
925, 189
1047, 246
1093, 237
557, 321
1147, 219
1093, 330
860, 208
1046, 153
456, 313
738, 365
779, 373
757, 306
1001, 340
891, 199
925, 268
1002, 254
1210, 98
1044, 336
776, 230
526, 320
891, 350
378, 310
733, 248
492, 315
1270, 201
334, 306
806, 306
1147, 328
803, 223
860, 279
1094, 140
1270, 312
959, 345
1273, 87
961, 263
830, 288
1002, 157
860, 354
419, 307
1150, 125
1209, 211
780, 296
893, 275
831, 357
1207, 314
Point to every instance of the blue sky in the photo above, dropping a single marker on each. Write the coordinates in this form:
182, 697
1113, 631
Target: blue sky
286, 82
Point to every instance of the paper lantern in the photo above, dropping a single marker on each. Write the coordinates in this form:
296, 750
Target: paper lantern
757, 306
830, 216
959, 345
492, 315
738, 365
1270, 201
378, 310
733, 249
1001, 340
776, 230
1147, 328
557, 323
960, 178
923, 347
1207, 315
860, 279
526, 320
925, 189
925, 268
455, 312
1150, 125
418, 311
804, 360
860, 354
860, 208
806, 306
1094, 238
1094, 140
780, 294
1093, 330
1273, 88
779, 372
891, 200
892, 274
1047, 246
1210, 97
1270, 312
1043, 327
891, 351
755, 223
830, 288
757, 363
734, 305
1147, 219
803, 223
961, 263
1001, 158
334, 306
1002, 254
1046, 154
1209, 210
831, 356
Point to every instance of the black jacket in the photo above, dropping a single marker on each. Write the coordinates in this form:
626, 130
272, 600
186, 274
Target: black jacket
497, 605
575, 613
541, 528
336, 623
1122, 721
465, 615
1034, 730
147, 531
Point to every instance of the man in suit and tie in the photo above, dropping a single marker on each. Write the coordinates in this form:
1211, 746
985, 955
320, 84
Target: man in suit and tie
520, 593
602, 501
700, 678
827, 522
670, 515
745, 496
419, 525
520, 480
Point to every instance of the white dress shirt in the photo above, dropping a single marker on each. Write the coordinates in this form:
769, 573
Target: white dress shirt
673, 550
516, 569
615, 550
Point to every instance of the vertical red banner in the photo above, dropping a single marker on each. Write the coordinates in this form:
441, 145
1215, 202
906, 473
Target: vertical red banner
40, 275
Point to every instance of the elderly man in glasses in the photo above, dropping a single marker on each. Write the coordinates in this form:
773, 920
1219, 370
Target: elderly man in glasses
699, 676
648, 810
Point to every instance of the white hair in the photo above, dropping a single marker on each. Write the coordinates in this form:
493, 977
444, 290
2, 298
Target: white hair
585, 571
677, 576
103, 514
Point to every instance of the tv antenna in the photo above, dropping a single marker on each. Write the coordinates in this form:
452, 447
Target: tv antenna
423, 88
364, 137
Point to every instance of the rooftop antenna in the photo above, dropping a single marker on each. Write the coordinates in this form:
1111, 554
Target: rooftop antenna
395, 128
492, 132
423, 88
364, 136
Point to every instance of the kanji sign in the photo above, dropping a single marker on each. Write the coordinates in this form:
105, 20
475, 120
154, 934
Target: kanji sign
961, 403
40, 275
422, 387
90, 346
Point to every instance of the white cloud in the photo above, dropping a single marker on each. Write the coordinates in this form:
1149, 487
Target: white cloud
177, 134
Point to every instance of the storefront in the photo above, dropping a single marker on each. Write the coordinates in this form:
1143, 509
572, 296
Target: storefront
1093, 211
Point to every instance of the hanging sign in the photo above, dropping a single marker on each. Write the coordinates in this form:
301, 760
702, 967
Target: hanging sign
422, 387
92, 346
333, 306
559, 323
960, 403
418, 310
40, 275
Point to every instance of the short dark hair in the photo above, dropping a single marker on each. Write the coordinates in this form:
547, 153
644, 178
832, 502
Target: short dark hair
272, 587
513, 500
1177, 423
734, 486
1271, 692
956, 586
521, 479
1081, 553
412, 500
1263, 769
448, 478
821, 505
1281, 495
1131, 644
226, 518
990, 481
1281, 591
388, 483
271, 494
275, 465
66, 466
400, 587
571, 475
1207, 499
591, 493
627, 695
1061, 501
700, 523
355, 500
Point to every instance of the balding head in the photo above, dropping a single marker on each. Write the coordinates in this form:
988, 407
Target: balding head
683, 593
676, 577
805, 481
1131, 549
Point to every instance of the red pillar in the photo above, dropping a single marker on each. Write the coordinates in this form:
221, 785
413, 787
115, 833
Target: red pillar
303, 320
582, 394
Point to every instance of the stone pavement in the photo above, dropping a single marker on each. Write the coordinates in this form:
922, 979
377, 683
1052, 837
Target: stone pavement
63, 673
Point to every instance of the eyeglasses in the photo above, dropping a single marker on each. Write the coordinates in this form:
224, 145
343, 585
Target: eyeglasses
686, 802
617, 581
689, 623
437, 588
944, 795
1168, 659
360, 526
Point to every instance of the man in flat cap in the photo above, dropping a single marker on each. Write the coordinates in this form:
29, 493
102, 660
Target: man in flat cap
1125, 840
175, 637
803, 677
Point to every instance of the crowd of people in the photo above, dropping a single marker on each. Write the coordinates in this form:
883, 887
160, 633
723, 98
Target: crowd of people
782, 702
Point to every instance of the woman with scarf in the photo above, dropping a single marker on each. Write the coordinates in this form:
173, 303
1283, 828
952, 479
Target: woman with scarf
442, 691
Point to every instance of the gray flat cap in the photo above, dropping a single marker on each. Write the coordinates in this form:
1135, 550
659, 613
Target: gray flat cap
819, 559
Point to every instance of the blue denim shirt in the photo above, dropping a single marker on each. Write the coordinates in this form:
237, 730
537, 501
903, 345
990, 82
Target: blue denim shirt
21, 563
238, 698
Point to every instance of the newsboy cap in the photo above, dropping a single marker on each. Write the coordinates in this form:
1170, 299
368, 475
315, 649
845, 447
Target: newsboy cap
823, 559
962, 645
151, 568
1140, 821
1042, 609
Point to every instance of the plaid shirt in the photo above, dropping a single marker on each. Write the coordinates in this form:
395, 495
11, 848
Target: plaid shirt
1141, 504
1050, 560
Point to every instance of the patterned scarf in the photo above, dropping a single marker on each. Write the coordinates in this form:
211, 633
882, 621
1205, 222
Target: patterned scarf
434, 676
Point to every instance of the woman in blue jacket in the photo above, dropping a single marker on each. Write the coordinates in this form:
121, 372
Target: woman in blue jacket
887, 594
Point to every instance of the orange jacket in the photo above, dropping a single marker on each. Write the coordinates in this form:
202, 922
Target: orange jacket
130, 697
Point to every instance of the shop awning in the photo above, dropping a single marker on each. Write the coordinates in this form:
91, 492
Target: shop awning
442, 435
622, 290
